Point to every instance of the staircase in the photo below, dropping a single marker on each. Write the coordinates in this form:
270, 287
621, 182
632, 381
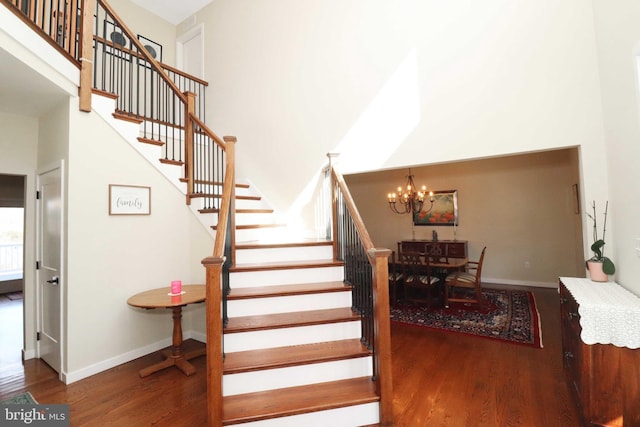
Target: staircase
293, 354
293, 346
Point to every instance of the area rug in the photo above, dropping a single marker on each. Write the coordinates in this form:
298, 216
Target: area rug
14, 296
507, 315
20, 399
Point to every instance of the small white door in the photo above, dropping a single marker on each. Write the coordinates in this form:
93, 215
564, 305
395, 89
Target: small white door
191, 52
50, 210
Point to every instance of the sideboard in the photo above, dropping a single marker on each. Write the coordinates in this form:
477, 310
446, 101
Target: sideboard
444, 248
600, 344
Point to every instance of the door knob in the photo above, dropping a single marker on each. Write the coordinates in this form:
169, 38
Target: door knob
53, 281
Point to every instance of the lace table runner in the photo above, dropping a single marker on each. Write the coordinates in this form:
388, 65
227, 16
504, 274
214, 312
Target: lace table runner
609, 314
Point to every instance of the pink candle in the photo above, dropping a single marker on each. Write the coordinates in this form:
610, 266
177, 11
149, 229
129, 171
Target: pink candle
176, 287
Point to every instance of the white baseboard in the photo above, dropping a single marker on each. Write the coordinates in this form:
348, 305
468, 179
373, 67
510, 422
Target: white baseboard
528, 283
112, 362
28, 354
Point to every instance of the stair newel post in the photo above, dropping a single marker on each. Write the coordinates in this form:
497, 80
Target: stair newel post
382, 333
190, 109
215, 350
86, 55
333, 160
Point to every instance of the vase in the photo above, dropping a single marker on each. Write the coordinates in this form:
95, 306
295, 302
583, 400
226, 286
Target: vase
595, 271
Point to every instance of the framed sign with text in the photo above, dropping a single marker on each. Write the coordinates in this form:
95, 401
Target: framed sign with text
129, 200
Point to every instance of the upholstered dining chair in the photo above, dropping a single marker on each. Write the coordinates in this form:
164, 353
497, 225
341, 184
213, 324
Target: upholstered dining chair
416, 276
469, 279
395, 278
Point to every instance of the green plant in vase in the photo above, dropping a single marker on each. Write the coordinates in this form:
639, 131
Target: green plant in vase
599, 265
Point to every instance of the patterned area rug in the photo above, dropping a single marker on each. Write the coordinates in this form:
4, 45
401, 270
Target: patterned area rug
510, 316
21, 399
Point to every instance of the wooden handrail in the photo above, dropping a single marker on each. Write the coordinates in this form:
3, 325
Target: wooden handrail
211, 134
379, 260
357, 219
184, 74
227, 196
147, 57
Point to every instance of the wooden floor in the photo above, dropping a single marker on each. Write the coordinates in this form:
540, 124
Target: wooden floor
440, 379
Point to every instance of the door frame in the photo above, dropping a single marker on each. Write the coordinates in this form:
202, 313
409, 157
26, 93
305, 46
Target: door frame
182, 39
62, 273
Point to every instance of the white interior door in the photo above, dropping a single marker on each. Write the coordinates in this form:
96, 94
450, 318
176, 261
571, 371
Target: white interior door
190, 50
48, 274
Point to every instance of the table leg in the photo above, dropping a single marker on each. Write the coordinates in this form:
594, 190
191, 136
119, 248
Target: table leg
175, 356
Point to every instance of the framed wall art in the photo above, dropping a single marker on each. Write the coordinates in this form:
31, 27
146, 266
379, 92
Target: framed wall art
129, 200
444, 210
117, 43
153, 49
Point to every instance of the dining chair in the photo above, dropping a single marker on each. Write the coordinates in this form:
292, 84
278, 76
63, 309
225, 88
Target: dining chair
395, 277
469, 279
416, 276
438, 254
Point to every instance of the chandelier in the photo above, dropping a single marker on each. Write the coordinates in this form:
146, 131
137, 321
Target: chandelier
409, 199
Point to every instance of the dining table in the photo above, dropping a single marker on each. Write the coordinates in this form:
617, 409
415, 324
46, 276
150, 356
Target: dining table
163, 298
440, 269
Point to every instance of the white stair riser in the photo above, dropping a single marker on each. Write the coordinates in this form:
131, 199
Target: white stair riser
254, 218
298, 335
292, 376
302, 253
250, 279
251, 204
284, 304
105, 107
350, 416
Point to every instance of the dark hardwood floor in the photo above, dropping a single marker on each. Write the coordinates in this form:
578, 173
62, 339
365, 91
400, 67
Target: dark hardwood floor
440, 379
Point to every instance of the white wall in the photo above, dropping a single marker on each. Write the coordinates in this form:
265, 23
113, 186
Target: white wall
391, 84
618, 42
151, 26
111, 258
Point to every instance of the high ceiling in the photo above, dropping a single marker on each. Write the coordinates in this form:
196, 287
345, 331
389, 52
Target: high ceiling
172, 10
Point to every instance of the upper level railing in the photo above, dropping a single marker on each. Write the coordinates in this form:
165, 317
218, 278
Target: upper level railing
114, 62
366, 269
59, 20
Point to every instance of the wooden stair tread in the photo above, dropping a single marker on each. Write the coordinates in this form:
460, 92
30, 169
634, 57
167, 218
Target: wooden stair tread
123, 115
280, 357
209, 182
298, 400
282, 244
288, 320
287, 290
217, 196
172, 162
238, 211
285, 265
253, 226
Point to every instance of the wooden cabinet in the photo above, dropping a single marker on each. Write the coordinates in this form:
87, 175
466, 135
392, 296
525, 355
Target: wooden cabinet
602, 378
449, 248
